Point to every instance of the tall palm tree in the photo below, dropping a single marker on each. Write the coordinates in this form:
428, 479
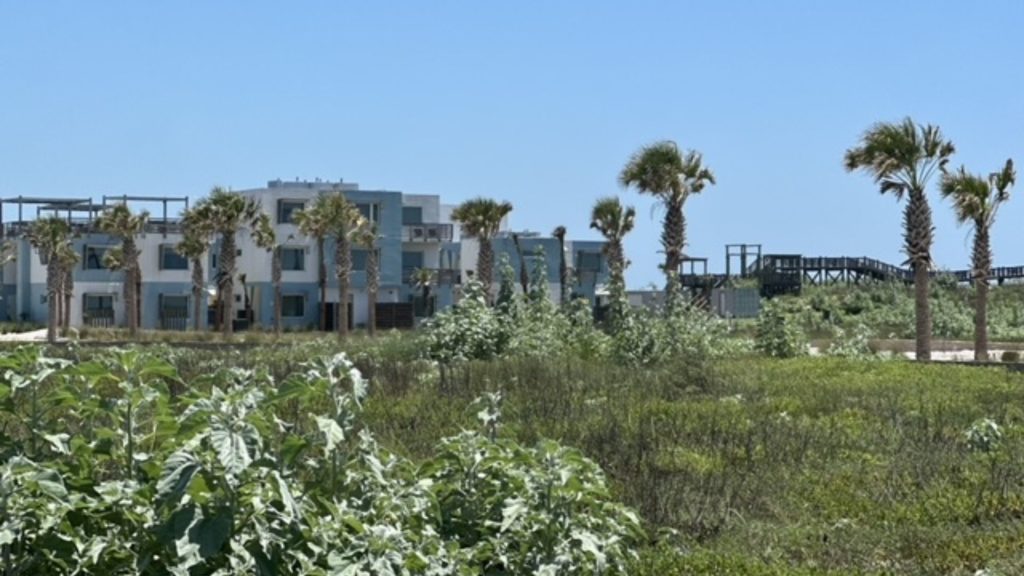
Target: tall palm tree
423, 279
671, 176
345, 222
49, 236
120, 222
194, 247
902, 157
976, 200
194, 244
614, 221
227, 213
314, 222
481, 218
367, 236
563, 269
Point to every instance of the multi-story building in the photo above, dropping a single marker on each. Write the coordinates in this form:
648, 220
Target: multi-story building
415, 232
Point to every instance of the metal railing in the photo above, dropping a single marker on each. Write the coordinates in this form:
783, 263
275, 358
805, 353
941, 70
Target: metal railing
427, 233
87, 226
441, 276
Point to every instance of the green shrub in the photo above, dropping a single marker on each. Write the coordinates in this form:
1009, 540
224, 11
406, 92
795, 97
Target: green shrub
778, 332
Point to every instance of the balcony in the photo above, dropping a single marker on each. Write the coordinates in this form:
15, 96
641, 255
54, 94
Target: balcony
80, 226
427, 233
441, 276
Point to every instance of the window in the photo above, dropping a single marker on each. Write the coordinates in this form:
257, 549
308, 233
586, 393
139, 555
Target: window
93, 259
359, 260
95, 303
170, 259
412, 259
293, 306
286, 210
174, 303
293, 259
412, 215
369, 211
588, 261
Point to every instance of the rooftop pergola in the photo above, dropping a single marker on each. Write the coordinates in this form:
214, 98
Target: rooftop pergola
69, 207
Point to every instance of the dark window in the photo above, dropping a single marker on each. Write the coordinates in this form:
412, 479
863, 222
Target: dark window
93, 259
293, 259
369, 211
412, 215
170, 259
286, 210
174, 302
588, 261
98, 302
359, 260
412, 259
293, 306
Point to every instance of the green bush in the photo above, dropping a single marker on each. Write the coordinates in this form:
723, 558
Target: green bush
779, 334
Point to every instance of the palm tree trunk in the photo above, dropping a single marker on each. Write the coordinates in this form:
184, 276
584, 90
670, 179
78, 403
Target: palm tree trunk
917, 221
69, 290
197, 292
343, 261
275, 273
322, 280
130, 287
53, 273
673, 238
563, 272
60, 298
226, 285
524, 276
982, 258
372, 281
616, 284
485, 265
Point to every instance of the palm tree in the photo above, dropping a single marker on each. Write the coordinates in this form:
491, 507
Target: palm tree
481, 218
671, 176
423, 280
367, 236
614, 221
345, 222
120, 222
563, 270
225, 214
194, 245
49, 236
976, 200
902, 157
314, 222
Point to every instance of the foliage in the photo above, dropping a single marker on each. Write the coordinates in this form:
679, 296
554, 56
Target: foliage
246, 474
778, 334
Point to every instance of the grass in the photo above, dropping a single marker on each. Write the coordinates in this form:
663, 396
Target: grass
743, 466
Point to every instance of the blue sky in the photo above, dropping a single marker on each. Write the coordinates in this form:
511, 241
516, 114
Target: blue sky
538, 103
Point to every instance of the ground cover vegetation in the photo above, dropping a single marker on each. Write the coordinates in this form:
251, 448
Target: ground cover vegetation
384, 460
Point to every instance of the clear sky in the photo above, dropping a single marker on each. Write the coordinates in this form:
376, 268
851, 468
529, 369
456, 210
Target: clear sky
538, 103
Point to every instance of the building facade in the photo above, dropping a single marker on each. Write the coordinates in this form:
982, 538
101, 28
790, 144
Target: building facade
415, 232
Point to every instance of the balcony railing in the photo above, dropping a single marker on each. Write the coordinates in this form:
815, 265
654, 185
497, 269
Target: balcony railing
427, 233
441, 276
85, 226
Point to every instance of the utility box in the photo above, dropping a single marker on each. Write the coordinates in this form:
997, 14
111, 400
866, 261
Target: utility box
736, 302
